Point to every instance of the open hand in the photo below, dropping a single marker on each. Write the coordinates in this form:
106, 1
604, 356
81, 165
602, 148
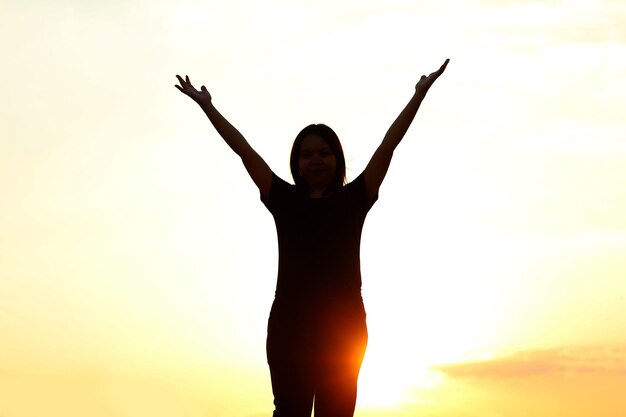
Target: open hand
201, 96
425, 82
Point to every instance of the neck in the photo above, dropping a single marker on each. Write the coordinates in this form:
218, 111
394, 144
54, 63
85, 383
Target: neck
317, 192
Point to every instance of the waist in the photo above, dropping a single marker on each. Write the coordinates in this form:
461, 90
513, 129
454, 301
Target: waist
307, 317
318, 296
316, 304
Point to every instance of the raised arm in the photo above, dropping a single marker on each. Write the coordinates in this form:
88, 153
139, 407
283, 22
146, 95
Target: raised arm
259, 171
377, 167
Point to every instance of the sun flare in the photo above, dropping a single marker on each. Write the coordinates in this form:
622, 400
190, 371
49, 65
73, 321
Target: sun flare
388, 381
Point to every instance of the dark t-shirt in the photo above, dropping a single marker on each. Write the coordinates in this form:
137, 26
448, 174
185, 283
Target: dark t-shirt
318, 242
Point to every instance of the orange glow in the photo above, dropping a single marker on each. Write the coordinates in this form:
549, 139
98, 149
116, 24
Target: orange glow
137, 264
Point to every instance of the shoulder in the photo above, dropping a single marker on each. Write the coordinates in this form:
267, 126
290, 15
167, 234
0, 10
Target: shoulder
279, 192
357, 190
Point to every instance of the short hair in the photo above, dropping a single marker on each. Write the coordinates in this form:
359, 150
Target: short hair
331, 138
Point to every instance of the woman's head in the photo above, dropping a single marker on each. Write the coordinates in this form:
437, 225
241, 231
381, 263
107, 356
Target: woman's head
317, 159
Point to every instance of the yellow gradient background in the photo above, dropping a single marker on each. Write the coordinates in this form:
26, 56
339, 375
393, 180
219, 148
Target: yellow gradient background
137, 264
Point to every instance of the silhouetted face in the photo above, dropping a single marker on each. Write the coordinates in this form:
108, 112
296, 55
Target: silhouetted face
317, 162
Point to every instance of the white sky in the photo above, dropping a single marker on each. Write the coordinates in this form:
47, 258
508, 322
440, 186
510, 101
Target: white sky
128, 226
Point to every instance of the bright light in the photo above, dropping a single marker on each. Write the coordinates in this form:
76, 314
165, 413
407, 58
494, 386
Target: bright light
388, 381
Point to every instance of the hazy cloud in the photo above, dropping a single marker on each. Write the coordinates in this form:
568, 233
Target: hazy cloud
596, 360
538, 23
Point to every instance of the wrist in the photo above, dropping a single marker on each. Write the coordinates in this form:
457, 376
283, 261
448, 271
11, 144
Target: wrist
206, 105
419, 94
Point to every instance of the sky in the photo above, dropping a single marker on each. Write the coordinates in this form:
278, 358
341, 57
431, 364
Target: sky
137, 264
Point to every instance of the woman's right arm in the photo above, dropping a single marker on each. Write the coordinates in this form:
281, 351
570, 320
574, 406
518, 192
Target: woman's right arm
259, 171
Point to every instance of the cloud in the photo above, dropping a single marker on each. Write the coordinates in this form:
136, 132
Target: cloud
529, 363
538, 23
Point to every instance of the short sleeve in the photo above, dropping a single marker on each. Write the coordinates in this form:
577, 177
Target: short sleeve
280, 192
358, 191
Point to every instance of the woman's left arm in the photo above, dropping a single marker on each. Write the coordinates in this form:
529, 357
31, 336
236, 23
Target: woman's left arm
377, 167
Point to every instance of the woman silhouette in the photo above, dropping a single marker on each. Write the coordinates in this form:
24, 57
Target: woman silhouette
317, 333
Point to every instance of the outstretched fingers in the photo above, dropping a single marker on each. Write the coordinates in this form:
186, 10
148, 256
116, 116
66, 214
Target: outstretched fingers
200, 96
441, 69
182, 83
425, 82
185, 85
443, 66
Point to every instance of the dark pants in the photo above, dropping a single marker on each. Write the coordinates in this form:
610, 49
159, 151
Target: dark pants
315, 355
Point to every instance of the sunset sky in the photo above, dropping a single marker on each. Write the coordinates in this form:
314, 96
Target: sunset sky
137, 264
